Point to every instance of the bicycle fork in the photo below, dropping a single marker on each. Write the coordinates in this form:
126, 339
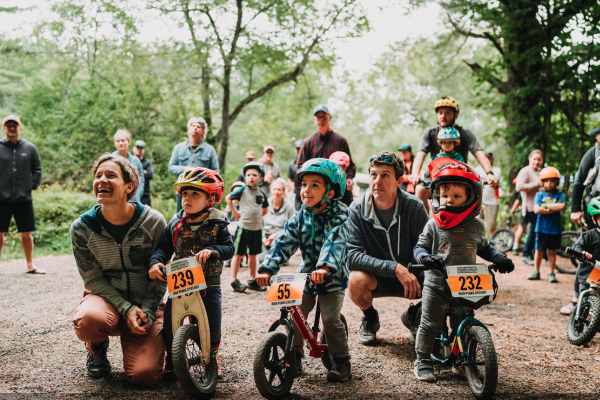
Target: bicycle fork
593, 290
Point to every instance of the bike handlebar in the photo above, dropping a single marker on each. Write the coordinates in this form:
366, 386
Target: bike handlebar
412, 268
579, 255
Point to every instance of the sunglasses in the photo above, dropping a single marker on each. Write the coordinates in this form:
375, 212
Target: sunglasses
383, 158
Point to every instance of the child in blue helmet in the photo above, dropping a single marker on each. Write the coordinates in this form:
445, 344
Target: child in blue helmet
320, 230
448, 139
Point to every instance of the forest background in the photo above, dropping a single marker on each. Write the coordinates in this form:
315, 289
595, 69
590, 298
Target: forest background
526, 75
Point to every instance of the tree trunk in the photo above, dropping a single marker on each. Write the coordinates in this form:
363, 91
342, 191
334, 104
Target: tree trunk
223, 139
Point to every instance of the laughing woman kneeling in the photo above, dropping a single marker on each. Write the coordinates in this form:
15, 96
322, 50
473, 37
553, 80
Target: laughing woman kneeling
112, 244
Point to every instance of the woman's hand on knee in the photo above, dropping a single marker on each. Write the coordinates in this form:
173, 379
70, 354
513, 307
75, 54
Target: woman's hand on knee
137, 322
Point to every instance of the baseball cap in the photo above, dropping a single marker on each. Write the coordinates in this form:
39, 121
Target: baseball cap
268, 147
298, 143
595, 131
140, 143
489, 155
11, 118
321, 107
250, 154
405, 147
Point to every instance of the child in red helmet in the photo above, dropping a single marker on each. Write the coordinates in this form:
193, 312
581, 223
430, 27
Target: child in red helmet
343, 160
453, 237
197, 230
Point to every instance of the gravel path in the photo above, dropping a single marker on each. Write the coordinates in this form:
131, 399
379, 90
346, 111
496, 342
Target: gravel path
39, 352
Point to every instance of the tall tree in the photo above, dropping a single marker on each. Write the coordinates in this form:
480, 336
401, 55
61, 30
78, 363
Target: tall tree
232, 37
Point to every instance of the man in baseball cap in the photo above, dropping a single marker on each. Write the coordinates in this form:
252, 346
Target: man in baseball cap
321, 107
139, 149
21, 173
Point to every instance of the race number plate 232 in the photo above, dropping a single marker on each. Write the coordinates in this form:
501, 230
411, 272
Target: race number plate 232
185, 276
470, 280
286, 291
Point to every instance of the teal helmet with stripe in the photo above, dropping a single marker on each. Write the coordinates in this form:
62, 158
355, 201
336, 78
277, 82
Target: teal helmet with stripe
449, 133
332, 173
255, 165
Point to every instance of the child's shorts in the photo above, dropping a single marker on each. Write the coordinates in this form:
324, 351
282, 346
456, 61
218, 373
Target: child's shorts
545, 241
251, 240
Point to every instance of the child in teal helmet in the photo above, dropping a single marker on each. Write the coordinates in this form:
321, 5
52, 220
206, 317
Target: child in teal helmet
589, 244
320, 230
448, 139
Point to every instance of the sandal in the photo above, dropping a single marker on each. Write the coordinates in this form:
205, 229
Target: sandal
568, 309
38, 271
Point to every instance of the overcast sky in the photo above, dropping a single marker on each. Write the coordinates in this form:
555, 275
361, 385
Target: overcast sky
357, 54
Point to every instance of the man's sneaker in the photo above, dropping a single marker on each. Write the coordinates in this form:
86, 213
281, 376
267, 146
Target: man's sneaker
424, 370
515, 252
408, 319
98, 366
534, 276
527, 260
238, 286
458, 367
298, 363
252, 285
340, 371
367, 334
552, 278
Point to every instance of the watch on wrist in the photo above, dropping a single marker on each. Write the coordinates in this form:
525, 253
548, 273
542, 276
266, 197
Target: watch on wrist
489, 173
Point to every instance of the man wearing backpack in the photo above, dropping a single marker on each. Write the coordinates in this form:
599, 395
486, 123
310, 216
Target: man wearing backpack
588, 178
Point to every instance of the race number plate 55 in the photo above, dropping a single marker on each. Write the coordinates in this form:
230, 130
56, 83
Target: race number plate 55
470, 280
286, 291
594, 277
185, 276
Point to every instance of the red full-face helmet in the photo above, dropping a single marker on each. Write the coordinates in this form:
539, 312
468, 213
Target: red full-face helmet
447, 170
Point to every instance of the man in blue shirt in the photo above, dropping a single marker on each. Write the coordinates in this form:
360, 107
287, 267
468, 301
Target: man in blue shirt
193, 153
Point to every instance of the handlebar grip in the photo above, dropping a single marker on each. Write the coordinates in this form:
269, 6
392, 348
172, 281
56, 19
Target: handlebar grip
575, 253
328, 278
416, 267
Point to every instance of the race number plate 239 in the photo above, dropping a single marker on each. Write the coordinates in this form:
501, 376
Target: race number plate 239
185, 276
286, 291
470, 280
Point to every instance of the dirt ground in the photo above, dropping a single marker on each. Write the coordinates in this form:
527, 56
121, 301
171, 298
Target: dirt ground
40, 354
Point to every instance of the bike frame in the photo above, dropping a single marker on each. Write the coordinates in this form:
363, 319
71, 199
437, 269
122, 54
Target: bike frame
592, 291
456, 339
309, 334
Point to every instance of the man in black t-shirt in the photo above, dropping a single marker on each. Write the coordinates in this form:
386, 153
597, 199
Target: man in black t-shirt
447, 111
586, 166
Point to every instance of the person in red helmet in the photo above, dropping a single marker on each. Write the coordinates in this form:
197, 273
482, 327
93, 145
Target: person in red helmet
453, 237
198, 230
343, 160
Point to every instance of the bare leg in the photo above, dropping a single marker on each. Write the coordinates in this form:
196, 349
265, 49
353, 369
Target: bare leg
235, 266
27, 243
538, 259
252, 265
518, 234
359, 288
552, 260
424, 195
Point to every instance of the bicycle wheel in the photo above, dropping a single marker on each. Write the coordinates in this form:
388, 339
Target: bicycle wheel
326, 359
503, 240
198, 380
273, 373
565, 263
482, 369
581, 330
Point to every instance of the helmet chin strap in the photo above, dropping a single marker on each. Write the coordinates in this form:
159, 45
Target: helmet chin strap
312, 210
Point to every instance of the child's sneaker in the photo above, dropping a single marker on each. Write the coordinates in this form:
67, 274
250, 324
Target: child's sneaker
424, 370
515, 252
534, 276
219, 374
238, 286
458, 367
298, 363
340, 371
169, 372
552, 278
252, 285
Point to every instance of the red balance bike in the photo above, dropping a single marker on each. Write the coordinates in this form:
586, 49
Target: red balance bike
275, 359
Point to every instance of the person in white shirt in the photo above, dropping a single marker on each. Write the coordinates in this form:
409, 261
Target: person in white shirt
490, 197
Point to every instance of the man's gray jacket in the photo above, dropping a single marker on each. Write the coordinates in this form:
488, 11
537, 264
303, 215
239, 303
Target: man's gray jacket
372, 248
20, 170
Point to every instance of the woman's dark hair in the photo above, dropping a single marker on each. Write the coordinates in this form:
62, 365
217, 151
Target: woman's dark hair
130, 173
